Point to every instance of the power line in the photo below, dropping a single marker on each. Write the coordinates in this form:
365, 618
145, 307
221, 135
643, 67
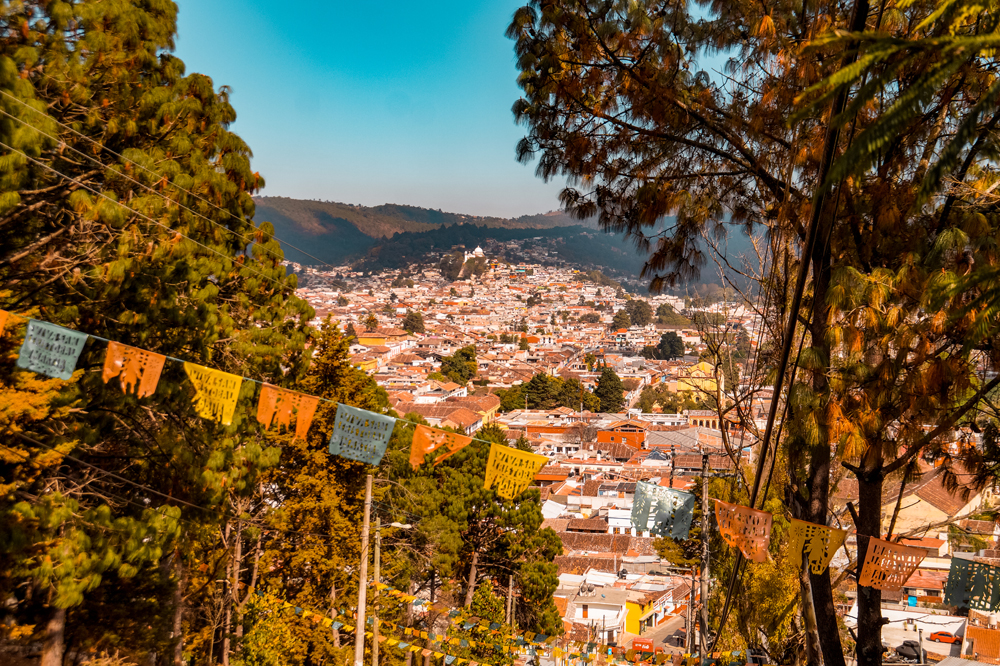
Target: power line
118, 477
142, 215
263, 383
136, 164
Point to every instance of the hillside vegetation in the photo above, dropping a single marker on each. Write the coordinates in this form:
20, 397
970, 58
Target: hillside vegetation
337, 232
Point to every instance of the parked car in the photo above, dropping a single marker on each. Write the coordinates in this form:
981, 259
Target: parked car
945, 637
910, 651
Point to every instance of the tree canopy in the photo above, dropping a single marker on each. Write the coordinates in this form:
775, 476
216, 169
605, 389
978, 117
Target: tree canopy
461, 366
610, 391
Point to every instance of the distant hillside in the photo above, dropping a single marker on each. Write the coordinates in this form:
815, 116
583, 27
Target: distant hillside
580, 247
392, 236
337, 232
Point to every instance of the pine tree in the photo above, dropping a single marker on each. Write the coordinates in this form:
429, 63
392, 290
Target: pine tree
610, 391
321, 499
188, 275
882, 109
671, 346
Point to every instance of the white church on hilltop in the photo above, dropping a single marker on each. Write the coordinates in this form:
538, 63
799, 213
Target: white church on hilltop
475, 254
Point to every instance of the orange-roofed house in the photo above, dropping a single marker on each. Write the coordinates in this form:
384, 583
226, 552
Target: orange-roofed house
632, 433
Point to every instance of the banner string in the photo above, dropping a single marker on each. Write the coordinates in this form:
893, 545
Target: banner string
249, 379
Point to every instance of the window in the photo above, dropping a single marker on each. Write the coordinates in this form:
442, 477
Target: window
585, 610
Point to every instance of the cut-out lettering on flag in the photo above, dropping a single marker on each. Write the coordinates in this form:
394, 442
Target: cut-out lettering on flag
511, 470
744, 528
216, 392
50, 350
360, 435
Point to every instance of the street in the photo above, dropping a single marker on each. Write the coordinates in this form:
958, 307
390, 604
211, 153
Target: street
894, 637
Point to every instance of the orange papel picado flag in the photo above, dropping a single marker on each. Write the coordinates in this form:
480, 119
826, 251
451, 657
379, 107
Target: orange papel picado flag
3, 320
276, 406
429, 440
817, 543
137, 370
511, 470
216, 392
744, 528
888, 565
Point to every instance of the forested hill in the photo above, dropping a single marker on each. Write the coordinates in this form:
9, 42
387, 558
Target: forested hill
339, 232
394, 236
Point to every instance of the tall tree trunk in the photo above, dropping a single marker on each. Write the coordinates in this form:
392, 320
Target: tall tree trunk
812, 651
471, 590
55, 634
869, 524
177, 630
822, 603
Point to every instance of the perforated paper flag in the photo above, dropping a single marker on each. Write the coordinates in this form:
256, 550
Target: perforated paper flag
671, 510
138, 370
216, 392
276, 406
360, 435
3, 320
511, 470
888, 566
973, 585
428, 440
817, 543
50, 350
744, 528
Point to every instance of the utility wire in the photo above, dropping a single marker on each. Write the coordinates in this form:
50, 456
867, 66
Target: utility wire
281, 286
122, 157
257, 381
118, 477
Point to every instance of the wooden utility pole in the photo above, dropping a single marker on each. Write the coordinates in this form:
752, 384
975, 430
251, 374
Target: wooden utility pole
703, 629
359, 633
378, 553
690, 616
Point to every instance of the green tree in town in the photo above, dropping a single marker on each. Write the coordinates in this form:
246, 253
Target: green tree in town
610, 391
665, 314
640, 312
522, 343
451, 266
621, 320
590, 318
461, 366
413, 322
670, 346
370, 322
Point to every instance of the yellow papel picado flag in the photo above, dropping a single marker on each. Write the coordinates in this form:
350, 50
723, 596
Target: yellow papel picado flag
816, 543
511, 470
216, 392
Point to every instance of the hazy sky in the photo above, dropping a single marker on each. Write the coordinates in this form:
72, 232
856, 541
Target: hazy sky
372, 102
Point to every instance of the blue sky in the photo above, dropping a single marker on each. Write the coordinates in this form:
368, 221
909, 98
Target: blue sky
371, 103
